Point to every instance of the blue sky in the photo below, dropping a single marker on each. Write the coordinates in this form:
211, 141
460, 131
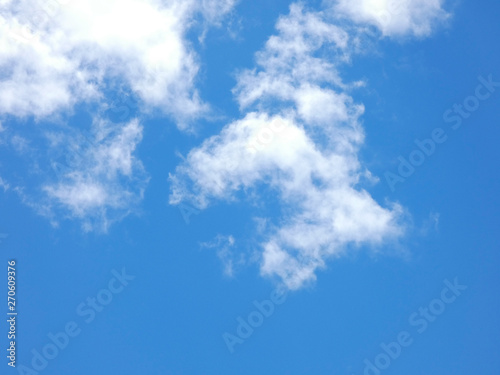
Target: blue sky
221, 187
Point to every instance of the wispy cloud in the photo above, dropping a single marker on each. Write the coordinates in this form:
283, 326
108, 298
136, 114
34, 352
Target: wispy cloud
4, 185
106, 182
227, 252
94, 177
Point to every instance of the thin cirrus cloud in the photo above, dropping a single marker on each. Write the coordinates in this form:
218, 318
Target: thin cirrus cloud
55, 55
299, 137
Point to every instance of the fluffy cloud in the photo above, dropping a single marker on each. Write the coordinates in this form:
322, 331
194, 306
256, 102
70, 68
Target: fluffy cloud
54, 54
300, 140
395, 17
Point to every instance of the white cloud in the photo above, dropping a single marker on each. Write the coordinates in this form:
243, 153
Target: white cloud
396, 17
103, 182
54, 54
301, 142
316, 187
